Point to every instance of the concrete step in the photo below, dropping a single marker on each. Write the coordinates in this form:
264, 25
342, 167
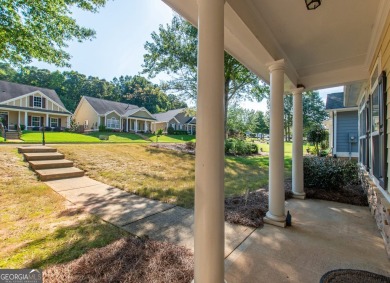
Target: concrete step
59, 173
43, 156
36, 149
50, 164
12, 136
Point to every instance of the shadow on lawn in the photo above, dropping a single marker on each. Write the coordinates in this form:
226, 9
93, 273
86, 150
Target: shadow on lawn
74, 240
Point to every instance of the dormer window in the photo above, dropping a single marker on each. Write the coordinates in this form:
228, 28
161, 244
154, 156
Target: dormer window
38, 101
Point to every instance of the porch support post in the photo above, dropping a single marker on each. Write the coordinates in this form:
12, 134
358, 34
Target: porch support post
47, 120
276, 213
25, 119
68, 121
209, 234
127, 124
136, 126
297, 154
18, 118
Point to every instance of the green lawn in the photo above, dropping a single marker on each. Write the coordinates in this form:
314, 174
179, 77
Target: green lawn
66, 137
164, 174
119, 137
287, 148
172, 138
38, 227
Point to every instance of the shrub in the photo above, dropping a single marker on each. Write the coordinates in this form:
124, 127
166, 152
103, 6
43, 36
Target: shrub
102, 128
35, 128
22, 127
239, 147
180, 132
47, 129
329, 173
57, 129
170, 130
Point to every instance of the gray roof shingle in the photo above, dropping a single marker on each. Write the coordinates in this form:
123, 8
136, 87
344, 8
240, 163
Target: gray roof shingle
335, 101
167, 116
10, 90
102, 106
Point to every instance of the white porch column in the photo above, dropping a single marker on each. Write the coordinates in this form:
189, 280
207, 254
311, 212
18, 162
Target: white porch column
136, 126
146, 126
127, 125
297, 154
276, 213
68, 121
25, 119
18, 118
47, 121
209, 234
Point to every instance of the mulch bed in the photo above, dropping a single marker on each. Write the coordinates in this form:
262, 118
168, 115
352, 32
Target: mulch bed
127, 260
250, 210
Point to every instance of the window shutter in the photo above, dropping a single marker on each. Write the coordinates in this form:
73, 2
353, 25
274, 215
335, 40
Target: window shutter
42, 121
59, 122
29, 121
382, 129
43, 102
31, 100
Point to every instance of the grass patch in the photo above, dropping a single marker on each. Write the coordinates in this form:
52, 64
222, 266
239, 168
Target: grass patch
163, 174
66, 137
119, 137
37, 226
58, 137
172, 138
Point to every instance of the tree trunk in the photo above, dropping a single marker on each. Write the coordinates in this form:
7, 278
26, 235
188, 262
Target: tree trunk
226, 102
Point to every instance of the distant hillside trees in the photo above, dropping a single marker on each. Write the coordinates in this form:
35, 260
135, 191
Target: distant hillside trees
71, 86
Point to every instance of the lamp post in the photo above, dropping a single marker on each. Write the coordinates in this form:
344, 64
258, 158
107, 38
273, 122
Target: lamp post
312, 4
43, 134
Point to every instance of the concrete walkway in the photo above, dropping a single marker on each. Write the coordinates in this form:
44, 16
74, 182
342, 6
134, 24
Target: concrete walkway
324, 236
140, 216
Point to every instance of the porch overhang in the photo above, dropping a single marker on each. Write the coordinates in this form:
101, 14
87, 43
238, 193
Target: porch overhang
331, 46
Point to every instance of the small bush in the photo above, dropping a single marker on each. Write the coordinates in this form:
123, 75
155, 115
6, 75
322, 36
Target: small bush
47, 129
180, 132
57, 129
170, 130
102, 128
35, 128
239, 147
329, 173
22, 127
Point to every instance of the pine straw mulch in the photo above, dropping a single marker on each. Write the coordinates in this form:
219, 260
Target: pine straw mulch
249, 210
127, 260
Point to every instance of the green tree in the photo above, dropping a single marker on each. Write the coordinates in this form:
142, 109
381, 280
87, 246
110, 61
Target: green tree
41, 29
173, 50
313, 112
260, 123
141, 92
316, 135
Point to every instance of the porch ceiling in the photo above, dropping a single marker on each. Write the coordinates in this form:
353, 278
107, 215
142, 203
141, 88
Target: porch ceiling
332, 45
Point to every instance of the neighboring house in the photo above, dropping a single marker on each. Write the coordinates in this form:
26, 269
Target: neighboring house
31, 106
342, 125
177, 119
94, 112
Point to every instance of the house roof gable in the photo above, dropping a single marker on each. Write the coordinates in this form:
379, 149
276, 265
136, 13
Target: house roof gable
9, 90
103, 106
169, 115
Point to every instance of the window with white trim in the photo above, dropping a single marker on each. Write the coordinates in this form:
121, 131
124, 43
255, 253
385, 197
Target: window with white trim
378, 119
35, 121
113, 123
38, 101
54, 122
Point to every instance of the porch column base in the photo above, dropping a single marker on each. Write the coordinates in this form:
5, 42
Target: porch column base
299, 195
275, 220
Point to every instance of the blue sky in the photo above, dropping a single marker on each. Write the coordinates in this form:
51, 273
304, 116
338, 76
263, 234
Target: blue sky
122, 28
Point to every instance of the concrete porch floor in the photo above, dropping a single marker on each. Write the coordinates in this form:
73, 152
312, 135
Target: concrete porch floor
324, 236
